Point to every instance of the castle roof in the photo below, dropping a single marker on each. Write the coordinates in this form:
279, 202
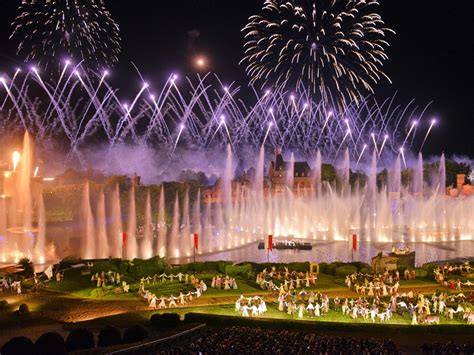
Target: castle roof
300, 167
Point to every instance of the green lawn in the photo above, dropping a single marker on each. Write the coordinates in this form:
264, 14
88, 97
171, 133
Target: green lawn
81, 286
274, 313
77, 285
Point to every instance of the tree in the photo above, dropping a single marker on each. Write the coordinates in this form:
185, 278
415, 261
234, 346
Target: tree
18, 346
382, 178
27, 266
50, 343
197, 177
453, 168
79, 339
109, 336
135, 334
328, 173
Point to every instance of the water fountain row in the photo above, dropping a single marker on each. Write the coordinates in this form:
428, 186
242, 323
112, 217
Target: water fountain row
22, 195
244, 213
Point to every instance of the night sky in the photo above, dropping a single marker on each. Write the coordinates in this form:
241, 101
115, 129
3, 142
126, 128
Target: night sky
431, 56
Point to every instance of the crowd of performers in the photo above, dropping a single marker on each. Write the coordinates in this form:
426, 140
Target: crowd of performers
420, 308
387, 284
295, 303
110, 278
169, 302
250, 306
371, 285
224, 282
379, 297
275, 280
9, 285
445, 275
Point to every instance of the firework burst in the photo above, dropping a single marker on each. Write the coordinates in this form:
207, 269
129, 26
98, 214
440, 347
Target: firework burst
202, 114
81, 29
321, 46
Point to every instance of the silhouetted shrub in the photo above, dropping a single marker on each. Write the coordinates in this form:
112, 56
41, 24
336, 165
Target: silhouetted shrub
50, 343
299, 267
345, 270
109, 336
79, 339
324, 268
165, 321
134, 334
23, 309
332, 268
27, 266
18, 346
421, 273
242, 270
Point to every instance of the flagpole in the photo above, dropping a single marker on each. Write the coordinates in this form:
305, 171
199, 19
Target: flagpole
195, 245
354, 245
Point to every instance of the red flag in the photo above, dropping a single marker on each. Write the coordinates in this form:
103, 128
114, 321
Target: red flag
270, 242
124, 239
196, 241
354, 242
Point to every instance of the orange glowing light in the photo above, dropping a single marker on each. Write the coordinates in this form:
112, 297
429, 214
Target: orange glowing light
16, 159
201, 62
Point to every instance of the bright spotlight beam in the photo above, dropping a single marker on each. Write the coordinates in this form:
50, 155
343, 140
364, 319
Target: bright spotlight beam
375, 143
433, 122
221, 123
329, 115
12, 98
360, 155
403, 157
348, 133
413, 125
270, 125
181, 128
228, 133
385, 138
95, 93
61, 76
327, 120
17, 71
16, 159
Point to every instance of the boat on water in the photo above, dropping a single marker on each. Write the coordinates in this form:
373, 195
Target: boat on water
405, 256
288, 245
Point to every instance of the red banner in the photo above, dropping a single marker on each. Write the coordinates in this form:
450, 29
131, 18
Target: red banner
270, 242
124, 239
196, 241
354, 242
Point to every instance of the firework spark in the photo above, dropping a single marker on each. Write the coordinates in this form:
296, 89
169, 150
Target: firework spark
199, 113
322, 46
81, 29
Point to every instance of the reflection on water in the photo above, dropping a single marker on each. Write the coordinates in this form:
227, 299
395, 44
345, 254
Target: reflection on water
341, 251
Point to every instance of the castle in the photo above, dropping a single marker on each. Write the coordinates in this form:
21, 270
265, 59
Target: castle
276, 182
462, 189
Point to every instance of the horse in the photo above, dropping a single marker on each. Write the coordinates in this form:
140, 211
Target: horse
431, 320
470, 318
